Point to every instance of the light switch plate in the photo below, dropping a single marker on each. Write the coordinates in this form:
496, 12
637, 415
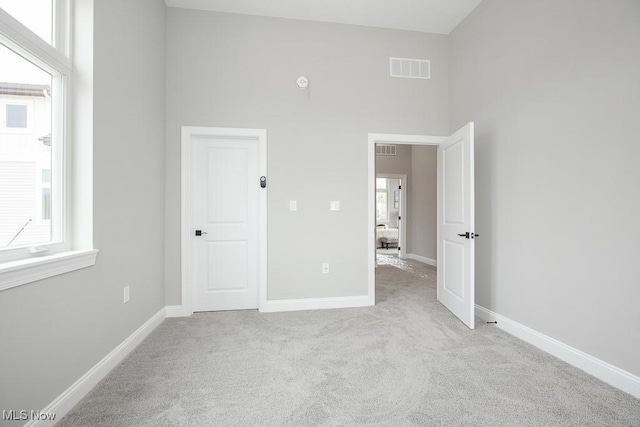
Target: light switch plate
334, 205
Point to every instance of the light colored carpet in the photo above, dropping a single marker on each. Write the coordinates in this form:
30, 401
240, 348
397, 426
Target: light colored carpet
390, 251
405, 362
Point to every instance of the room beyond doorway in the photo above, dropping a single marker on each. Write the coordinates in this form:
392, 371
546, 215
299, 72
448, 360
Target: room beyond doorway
455, 230
391, 214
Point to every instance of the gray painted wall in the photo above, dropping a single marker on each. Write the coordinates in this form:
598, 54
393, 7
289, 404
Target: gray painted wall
400, 163
423, 193
554, 89
240, 71
55, 330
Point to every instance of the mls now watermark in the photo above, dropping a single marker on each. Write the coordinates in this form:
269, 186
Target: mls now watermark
25, 415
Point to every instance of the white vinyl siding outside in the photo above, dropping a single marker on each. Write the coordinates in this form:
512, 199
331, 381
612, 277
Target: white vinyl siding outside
24, 158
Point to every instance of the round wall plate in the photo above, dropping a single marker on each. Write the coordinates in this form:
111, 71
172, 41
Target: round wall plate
302, 82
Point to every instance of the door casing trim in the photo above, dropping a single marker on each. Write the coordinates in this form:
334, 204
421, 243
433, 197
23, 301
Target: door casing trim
186, 228
384, 138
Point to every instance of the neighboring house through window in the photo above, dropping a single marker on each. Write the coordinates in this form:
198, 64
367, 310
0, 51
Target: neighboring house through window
16, 116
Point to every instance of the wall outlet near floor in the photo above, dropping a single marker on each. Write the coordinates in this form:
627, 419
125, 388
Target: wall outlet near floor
334, 205
126, 294
325, 268
293, 205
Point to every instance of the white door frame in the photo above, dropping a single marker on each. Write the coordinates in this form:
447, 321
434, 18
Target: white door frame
187, 229
382, 138
402, 242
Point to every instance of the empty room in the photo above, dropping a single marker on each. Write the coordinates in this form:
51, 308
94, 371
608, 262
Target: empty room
305, 213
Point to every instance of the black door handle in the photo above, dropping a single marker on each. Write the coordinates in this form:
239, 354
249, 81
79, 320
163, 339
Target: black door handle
469, 235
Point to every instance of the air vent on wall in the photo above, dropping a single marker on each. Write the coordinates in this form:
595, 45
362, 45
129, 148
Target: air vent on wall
385, 150
410, 68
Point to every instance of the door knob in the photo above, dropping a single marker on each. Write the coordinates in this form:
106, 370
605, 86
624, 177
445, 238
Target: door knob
469, 235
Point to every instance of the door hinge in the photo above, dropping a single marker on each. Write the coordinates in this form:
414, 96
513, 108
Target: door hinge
399, 218
263, 181
399, 187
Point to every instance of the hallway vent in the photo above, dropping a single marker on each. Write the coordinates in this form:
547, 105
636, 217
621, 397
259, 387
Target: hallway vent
410, 68
385, 150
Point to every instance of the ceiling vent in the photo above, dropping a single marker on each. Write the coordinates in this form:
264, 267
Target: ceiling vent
385, 150
410, 68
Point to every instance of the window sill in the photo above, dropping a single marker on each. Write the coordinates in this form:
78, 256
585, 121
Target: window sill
16, 273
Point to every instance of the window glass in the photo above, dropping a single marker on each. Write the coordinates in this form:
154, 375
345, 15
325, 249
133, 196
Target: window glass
381, 183
16, 116
382, 214
36, 15
25, 152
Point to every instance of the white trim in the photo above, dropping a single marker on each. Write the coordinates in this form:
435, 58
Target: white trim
373, 139
17, 36
16, 273
176, 311
71, 396
600, 369
423, 259
272, 306
185, 184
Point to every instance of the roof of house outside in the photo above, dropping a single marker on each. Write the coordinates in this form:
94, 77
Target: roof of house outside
24, 89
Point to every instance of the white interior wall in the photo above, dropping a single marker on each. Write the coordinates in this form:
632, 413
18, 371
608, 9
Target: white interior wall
240, 71
554, 91
423, 213
53, 331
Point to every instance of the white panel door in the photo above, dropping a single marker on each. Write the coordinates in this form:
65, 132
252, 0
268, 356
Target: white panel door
225, 208
456, 238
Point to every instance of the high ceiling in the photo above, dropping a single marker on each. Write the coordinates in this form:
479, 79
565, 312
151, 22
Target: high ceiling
431, 16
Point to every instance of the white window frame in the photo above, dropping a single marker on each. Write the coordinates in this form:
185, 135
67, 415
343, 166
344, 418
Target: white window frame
69, 250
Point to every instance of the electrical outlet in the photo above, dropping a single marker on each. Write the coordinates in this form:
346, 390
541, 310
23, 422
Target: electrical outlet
334, 205
293, 205
126, 294
325, 268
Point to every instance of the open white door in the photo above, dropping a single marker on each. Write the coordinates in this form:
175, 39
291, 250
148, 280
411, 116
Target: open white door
456, 233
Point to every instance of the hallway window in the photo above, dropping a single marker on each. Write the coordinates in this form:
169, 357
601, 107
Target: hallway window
382, 212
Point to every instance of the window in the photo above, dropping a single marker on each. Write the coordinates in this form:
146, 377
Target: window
16, 116
36, 15
382, 206
35, 165
24, 201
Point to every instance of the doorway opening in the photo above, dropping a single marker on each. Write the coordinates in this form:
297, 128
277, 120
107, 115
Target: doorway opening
391, 214
455, 244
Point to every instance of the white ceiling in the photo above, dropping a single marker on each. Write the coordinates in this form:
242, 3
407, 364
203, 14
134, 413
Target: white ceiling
431, 16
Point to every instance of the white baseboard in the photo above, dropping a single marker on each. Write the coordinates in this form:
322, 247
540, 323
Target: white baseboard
600, 369
272, 306
422, 259
176, 311
71, 396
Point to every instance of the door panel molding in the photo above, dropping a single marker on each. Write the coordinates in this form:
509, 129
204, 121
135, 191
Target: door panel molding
188, 134
456, 225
